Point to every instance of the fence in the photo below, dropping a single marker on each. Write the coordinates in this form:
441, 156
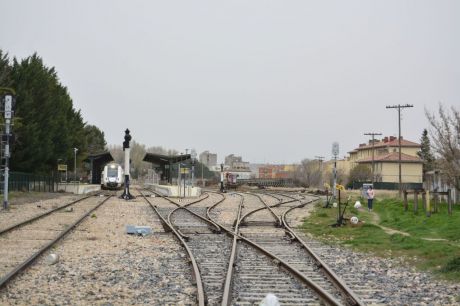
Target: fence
19, 181
388, 186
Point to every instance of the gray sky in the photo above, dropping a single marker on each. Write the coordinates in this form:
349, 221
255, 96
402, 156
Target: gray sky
273, 81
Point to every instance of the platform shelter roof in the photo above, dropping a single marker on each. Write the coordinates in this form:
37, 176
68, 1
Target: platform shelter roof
161, 160
102, 157
97, 162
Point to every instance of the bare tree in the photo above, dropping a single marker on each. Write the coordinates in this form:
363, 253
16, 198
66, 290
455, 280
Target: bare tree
445, 134
308, 173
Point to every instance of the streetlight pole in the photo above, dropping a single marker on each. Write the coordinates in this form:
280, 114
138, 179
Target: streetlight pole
75, 164
399, 106
373, 134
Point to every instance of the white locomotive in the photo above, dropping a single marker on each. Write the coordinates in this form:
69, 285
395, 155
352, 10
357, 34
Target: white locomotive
112, 177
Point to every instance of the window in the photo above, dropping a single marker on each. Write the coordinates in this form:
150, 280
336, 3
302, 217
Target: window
112, 172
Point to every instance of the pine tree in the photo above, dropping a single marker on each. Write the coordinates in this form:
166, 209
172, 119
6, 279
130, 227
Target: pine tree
425, 152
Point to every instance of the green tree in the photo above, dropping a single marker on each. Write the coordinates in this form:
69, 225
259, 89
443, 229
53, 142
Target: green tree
361, 173
95, 139
5, 70
425, 152
51, 128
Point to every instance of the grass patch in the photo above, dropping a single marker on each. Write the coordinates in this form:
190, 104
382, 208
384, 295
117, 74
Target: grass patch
431, 244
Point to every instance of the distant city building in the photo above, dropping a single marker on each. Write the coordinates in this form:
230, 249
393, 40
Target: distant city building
277, 171
237, 163
208, 159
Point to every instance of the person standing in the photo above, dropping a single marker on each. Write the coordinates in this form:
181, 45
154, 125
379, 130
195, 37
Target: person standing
370, 198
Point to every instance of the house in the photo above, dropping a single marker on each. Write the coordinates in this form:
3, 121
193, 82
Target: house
385, 161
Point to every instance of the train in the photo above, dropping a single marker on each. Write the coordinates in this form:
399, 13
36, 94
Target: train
112, 177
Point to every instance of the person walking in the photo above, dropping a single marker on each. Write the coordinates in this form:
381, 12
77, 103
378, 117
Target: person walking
370, 198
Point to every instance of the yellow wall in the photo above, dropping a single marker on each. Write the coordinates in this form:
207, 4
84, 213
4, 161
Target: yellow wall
410, 172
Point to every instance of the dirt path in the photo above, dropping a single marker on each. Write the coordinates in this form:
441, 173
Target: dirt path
388, 230
391, 231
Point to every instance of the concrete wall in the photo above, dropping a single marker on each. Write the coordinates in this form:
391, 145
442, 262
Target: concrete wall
78, 188
174, 191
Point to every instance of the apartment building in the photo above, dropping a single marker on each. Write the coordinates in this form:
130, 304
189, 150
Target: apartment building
386, 160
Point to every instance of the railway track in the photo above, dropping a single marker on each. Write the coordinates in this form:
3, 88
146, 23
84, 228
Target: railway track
239, 262
267, 261
24, 242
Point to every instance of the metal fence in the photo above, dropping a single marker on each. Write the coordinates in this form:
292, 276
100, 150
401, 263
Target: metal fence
19, 181
389, 186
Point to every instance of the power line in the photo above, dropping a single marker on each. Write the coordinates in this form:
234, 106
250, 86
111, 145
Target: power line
373, 142
399, 106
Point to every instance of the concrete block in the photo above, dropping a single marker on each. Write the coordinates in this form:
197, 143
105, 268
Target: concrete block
138, 230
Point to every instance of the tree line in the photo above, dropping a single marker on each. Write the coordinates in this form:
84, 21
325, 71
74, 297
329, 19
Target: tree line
46, 125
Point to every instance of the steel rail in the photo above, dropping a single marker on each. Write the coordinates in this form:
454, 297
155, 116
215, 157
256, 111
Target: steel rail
352, 298
196, 271
324, 295
4, 280
22, 223
185, 207
277, 218
227, 296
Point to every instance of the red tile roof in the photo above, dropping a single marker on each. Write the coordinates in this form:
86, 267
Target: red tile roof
393, 143
392, 157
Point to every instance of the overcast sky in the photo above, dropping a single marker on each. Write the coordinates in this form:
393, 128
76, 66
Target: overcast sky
273, 81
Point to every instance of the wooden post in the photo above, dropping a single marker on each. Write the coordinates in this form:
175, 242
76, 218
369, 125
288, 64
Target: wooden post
428, 207
415, 201
405, 200
449, 202
424, 200
435, 202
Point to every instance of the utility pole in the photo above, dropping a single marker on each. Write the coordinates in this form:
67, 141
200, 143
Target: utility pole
373, 142
320, 161
193, 153
335, 153
221, 177
399, 106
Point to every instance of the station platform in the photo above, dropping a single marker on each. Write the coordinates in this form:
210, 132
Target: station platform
78, 188
174, 190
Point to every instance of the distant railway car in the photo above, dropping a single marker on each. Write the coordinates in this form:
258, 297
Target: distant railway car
231, 180
112, 177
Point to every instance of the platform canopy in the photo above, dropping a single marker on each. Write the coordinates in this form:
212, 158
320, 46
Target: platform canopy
164, 162
160, 160
97, 162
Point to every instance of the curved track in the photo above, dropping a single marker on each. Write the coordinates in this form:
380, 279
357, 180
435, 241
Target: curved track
242, 247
